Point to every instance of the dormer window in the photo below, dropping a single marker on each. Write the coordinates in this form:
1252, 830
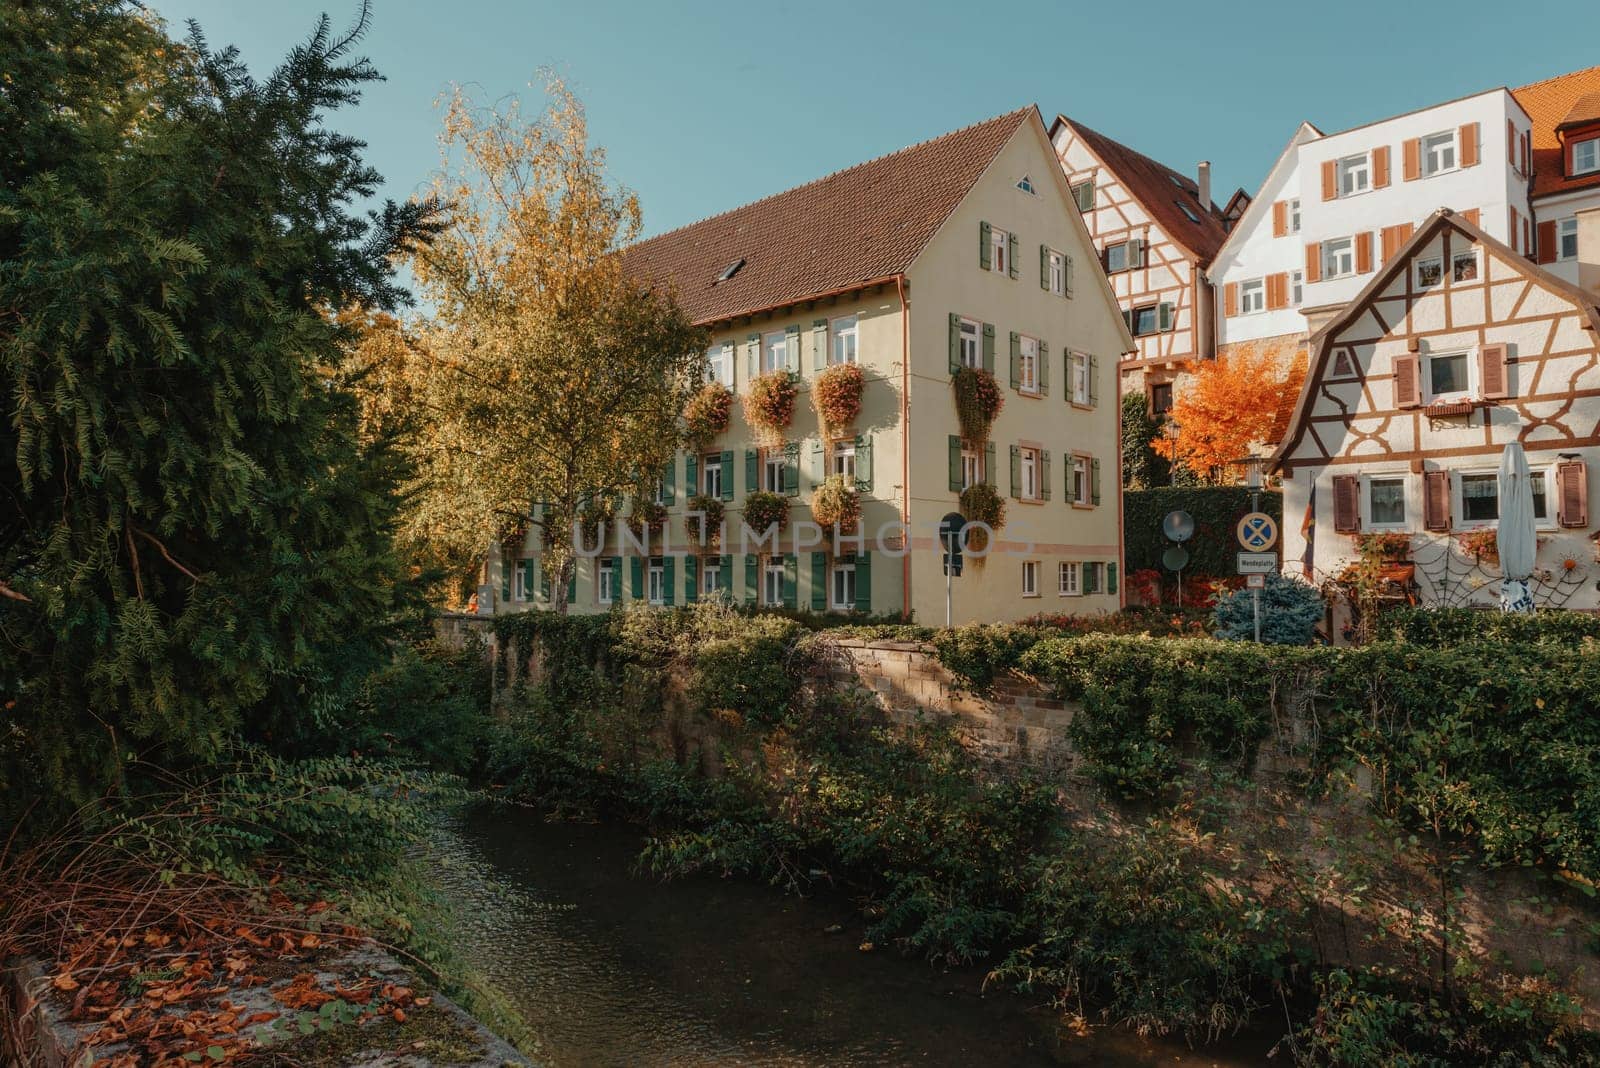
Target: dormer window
1586, 156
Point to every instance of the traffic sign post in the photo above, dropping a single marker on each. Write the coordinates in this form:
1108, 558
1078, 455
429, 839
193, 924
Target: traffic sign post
951, 528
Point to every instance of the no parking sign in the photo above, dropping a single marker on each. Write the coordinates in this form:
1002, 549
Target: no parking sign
1257, 532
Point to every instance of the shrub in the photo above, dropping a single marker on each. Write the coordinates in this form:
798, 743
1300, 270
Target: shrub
1141, 467
769, 406
978, 401
980, 503
835, 502
1290, 612
764, 511
703, 513
424, 708
837, 395
754, 671
706, 415
1439, 627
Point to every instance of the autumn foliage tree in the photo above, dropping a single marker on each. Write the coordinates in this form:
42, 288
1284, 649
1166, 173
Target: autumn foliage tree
548, 374
1225, 409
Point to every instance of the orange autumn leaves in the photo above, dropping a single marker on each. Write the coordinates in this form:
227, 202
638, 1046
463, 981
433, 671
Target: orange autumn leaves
1226, 408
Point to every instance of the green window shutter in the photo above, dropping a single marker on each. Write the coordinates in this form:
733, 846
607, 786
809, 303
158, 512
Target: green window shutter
1066, 273
1094, 380
752, 471
1094, 481
527, 574
505, 581
669, 482
752, 579
725, 576
1044, 267
636, 573
792, 349
667, 579
1091, 573
984, 238
1044, 369
955, 342
1164, 315
988, 347
753, 356
1016, 360
819, 582
1016, 472
1111, 578
864, 463
1013, 246
988, 464
1044, 473
791, 582
955, 464
691, 579
691, 476
864, 582
819, 344
727, 474
791, 469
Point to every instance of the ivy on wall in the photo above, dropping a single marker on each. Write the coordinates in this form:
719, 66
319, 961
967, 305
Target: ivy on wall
1216, 511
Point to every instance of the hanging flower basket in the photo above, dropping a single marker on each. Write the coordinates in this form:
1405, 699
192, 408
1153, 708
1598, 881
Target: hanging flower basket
769, 406
978, 401
1482, 544
703, 513
763, 511
837, 395
981, 504
706, 415
647, 516
590, 518
835, 503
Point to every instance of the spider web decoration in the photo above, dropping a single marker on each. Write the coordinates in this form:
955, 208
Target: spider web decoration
1449, 577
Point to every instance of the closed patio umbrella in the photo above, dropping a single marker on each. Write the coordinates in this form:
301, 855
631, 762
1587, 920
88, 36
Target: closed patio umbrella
1514, 536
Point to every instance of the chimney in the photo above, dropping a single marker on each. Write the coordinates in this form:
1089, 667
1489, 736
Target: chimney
1204, 182
1589, 250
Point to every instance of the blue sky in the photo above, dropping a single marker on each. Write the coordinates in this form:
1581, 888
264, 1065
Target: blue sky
702, 106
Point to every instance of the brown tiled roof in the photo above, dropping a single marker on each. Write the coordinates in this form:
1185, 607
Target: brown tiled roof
862, 224
1551, 104
1288, 353
1160, 189
1585, 111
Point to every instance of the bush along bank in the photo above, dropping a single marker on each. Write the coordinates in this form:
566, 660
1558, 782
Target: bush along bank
1127, 913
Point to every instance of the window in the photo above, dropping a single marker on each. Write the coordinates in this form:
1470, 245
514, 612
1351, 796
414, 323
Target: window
1447, 376
1252, 296
1080, 378
1080, 480
1028, 375
844, 586
1297, 288
1464, 266
1567, 239
843, 349
712, 463
719, 365
1083, 195
659, 495
1386, 502
1067, 579
1058, 273
1338, 257
1030, 473
1355, 175
772, 582
772, 470
775, 351
1030, 578
1145, 320
519, 581
657, 588
711, 574
1439, 152
1430, 272
1586, 156
1536, 481
971, 468
1124, 256
998, 240
606, 583
1294, 216
1160, 398
1025, 184
1187, 211
971, 347
844, 459
1480, 498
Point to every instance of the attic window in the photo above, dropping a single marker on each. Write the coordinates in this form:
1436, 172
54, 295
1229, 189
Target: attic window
1187, 211
1026, 184
730, 270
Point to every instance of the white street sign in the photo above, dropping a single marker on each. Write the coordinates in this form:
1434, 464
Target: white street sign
1255, 582
1257, 563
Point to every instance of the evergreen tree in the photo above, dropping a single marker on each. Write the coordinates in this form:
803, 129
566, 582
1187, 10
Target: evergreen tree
197, 539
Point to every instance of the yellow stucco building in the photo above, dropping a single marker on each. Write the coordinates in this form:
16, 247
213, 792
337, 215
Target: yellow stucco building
966, 250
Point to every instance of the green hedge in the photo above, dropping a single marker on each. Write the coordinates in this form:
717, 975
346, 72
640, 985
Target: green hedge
1458, 626
1216, 510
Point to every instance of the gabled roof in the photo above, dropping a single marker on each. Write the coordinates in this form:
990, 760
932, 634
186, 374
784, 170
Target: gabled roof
1260, 203
1551, 105
864, 224
1159, 189
1321, 342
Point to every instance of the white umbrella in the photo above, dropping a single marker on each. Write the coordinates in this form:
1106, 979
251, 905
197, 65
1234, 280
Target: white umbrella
1514, 537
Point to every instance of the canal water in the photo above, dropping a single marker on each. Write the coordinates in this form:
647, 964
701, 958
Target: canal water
609, 967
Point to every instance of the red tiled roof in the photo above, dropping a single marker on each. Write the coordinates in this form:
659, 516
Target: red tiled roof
1585, 111
1551, 104
862, 224
1160, 189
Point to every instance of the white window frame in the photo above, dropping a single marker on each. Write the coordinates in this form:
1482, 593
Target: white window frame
1122, 248
844, 343
1253, 296
1028, 375
772, 581
971, 355
774, 466
775, 351
1079, 364
1080, 480
971, 468
1336, 252
1458, 498
712, 478
519, 585
605, 591
1567, 229
842, 462
659, 492
1426, 371
1057, 262
719, 364
1547, 478
1030, 578
1456, 259
1068, 581
1351, 168
1297, 288
656, 583
999, 245
1437, 143
1437, 263
1031, 461
1406, 503
842, 586
1589, 146
710, 574
1294, 215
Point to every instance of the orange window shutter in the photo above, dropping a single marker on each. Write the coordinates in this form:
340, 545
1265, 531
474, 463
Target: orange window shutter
1572, 488
1380, 166
1364, 252
1346, 504
1314, 262
1512, 227
1511, 142
1471, 215
1280, 218
1278, 291
1330, 180
1547, 242
1469, 145
1492, 366
1406, 393
1436, 500
1230, 299
1411, 159
1390, 242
